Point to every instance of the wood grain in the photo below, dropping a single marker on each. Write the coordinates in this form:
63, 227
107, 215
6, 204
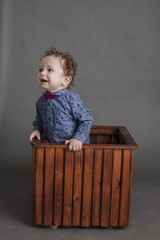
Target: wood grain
48, 186
130, 186
77, 190
58, 189
106, 187
96, 196
39, 186
125, 184
68, 188
116, 181
33, 182
87, 188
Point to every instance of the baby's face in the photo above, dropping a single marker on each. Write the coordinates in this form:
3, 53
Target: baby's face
51, 76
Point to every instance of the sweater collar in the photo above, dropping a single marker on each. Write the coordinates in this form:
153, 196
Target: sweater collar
59, 92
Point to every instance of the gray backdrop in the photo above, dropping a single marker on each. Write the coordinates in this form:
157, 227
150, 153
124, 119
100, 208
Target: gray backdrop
117, 47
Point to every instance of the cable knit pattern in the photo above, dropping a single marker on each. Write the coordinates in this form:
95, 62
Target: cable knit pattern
63, 118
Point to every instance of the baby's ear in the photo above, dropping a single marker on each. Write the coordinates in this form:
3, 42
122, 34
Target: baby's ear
67, 80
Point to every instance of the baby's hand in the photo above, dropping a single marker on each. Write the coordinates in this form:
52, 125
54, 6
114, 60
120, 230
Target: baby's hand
74, 144
35, 133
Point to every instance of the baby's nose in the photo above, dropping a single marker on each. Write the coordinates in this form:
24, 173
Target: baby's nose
43, 73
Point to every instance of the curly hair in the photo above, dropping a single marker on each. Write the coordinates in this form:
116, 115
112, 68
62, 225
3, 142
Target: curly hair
69, 65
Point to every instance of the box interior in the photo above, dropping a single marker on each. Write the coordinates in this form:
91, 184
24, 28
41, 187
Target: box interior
106, 137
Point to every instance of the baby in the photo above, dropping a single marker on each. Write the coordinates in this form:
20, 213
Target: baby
61, 115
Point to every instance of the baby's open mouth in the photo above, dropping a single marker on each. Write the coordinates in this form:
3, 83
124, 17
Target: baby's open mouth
43, 80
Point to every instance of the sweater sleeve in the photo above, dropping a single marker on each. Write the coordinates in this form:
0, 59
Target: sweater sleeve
38, 124
82, 116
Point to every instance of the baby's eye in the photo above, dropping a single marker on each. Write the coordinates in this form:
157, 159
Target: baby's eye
50, 70
40, 69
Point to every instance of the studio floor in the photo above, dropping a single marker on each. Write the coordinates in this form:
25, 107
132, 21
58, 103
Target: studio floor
16, 213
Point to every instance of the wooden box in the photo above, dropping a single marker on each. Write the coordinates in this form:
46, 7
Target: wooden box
91, 187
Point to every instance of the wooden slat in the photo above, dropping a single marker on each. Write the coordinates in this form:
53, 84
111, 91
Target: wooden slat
33, 182
39, 186
87, 146
130, 188
115, 197
93, 138
68, 187
103, 130
96, 196
87, 188
78, 166
125, 135
48, 186
106, 187
115, 139
125, 184
100, 139
107, 139
58, 190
